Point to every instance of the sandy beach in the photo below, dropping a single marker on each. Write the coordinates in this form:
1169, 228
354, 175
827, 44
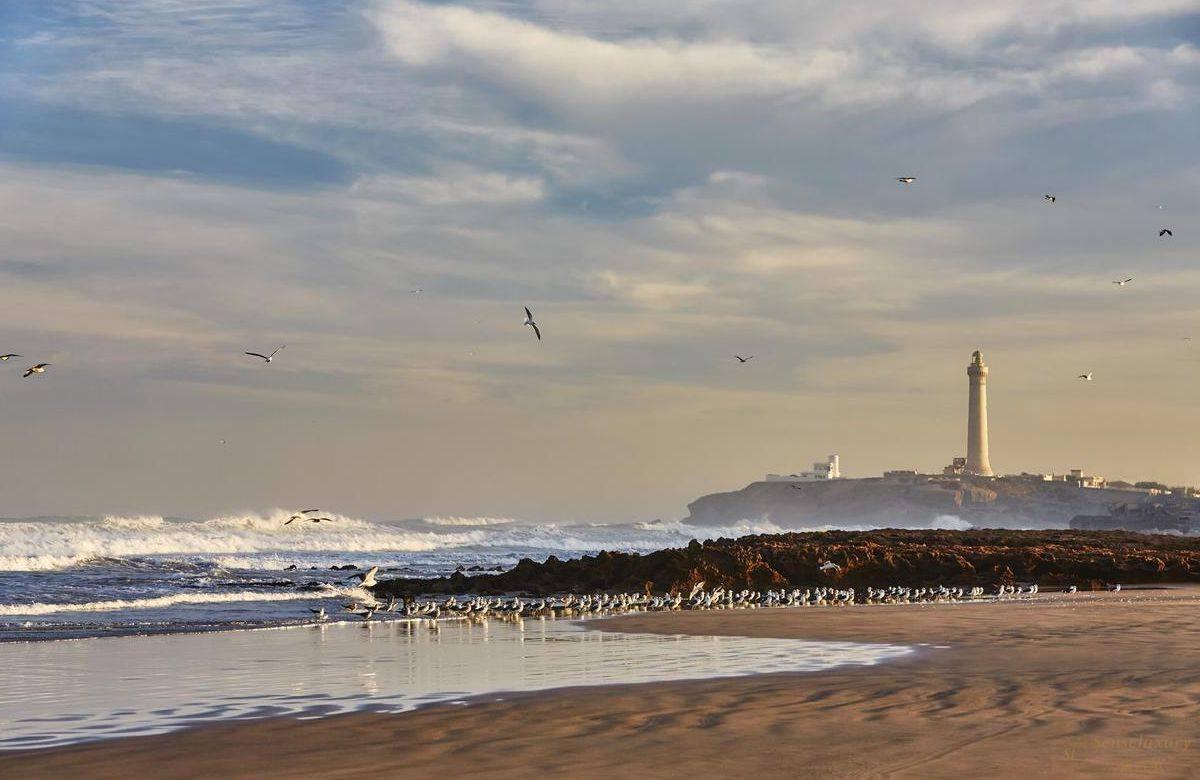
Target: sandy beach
1096, 685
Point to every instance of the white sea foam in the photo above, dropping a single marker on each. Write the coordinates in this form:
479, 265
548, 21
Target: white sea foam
951, 523
252, 540
157, 602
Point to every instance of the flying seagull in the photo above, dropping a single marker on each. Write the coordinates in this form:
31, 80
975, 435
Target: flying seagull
797, 487
1086, 377
300, 515
417, 291
529, 321
1123, 282
367, 580
1165, 232
906, 179
1050, 198
830, 566
40, 368
9, 356
267, 358
322, 519
744, 359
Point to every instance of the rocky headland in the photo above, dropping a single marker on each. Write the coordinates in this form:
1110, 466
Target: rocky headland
915, 502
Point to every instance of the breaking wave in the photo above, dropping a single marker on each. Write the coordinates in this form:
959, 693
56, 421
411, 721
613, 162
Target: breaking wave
40, 545
157, 602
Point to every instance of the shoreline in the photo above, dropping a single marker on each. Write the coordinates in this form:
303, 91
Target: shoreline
1103, 685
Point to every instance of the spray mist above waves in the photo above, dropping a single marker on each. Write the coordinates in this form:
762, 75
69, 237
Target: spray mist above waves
263, 542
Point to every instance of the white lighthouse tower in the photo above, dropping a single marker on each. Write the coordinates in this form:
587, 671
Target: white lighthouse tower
977, 426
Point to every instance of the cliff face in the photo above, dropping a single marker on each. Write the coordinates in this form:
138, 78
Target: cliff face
893, 503
875, 558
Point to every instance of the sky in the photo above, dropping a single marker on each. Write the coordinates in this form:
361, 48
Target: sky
663, 184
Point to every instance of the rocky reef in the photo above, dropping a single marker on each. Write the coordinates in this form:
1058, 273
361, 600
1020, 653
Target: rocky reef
1088, 559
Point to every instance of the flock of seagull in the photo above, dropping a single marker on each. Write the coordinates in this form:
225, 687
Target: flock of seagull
479, 608
1165, 232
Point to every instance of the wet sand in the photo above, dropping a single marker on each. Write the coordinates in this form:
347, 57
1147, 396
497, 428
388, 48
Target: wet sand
1095, 685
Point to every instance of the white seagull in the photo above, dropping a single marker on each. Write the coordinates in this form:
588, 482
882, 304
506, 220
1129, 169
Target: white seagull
40, 368
906, 179
1122, 282
267, 358
830, 566
367, 580
1086, 377
529, 321
321, 616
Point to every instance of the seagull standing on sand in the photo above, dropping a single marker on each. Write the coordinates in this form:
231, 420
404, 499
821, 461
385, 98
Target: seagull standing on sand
529, 321
9, 356
40, 368
267, 358
906, 179
1122, 282
1086, 377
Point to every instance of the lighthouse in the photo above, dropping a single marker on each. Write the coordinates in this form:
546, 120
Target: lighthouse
977, 429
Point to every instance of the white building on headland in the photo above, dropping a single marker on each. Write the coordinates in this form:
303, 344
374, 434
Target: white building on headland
830, 469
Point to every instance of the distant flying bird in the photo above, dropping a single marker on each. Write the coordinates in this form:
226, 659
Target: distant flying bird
1123, 282
906, 179
40, 368
1165, 232
417, 291
1050, 198
9, 356
529, 321
830, 566
797, 487
744, 359
1086, 377
300, 515
322, 520
267, 358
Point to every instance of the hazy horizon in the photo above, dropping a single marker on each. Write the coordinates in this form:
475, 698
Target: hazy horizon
663, 186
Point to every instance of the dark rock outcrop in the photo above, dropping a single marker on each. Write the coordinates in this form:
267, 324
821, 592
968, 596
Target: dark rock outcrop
884, 557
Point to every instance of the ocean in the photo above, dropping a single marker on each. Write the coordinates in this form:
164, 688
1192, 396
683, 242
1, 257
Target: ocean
80, 577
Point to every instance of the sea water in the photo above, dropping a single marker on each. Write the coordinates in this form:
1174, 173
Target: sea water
62, 692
